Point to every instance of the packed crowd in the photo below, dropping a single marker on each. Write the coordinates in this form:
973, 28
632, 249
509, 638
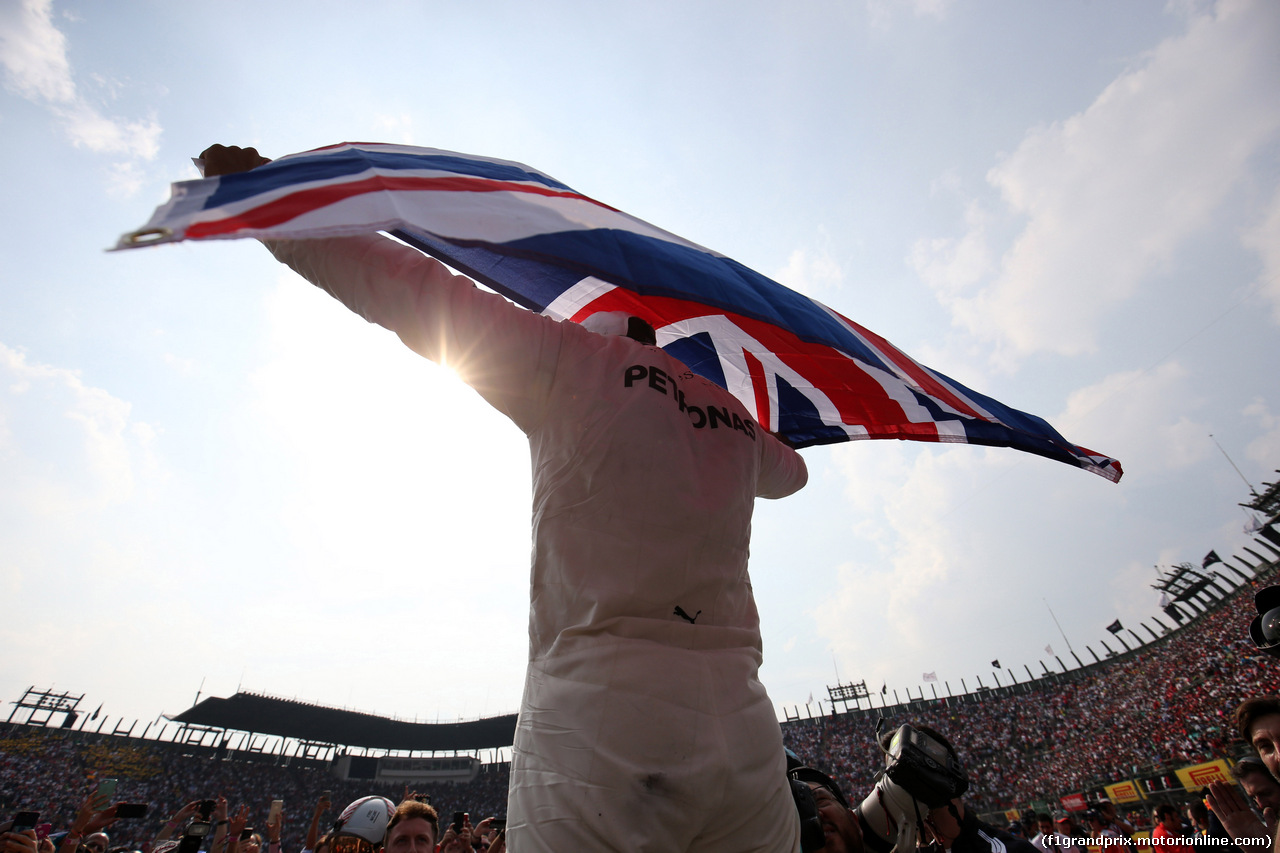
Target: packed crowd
1165, 707
50, 770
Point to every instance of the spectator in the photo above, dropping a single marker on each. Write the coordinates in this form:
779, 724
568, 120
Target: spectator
23, 841
1097, 827
841, 831
1258, 722
1044, 822
313, 843
413, 828
1168, 828
1111, 820
1163, 707
96, 813
1260, 786
1198, 818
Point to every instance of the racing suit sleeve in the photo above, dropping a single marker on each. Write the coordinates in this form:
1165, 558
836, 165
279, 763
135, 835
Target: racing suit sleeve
782, 470
507, 353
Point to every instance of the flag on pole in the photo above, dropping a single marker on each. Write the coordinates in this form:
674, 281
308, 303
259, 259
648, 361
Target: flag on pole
931, 676
805, 371
995, 664
1049, 649
1209, 559
1115, 627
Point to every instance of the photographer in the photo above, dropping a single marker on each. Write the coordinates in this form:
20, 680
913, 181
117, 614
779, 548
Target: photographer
919, 794
839, 825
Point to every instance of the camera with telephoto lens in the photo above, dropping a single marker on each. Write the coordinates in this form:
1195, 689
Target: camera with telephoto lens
1265, 628
920, 774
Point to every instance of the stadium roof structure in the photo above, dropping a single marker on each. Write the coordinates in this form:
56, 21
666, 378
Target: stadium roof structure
249, 712
1184, 582
1268, 502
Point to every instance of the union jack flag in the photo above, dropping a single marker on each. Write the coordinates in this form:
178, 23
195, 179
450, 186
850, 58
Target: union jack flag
807, 372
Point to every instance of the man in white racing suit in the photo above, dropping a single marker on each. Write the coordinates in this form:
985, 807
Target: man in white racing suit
643, 725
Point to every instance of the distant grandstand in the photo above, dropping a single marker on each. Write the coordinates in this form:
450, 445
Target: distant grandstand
1136, 715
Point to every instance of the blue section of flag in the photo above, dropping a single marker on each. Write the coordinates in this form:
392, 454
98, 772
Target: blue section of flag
807, 373
346, 162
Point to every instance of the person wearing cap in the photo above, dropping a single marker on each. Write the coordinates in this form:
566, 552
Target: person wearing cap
840, 829
98, 842
644, 725
363, 825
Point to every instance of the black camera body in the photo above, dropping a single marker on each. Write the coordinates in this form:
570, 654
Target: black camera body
924, 768
921, 774
811, 835
193, 837
1265, 628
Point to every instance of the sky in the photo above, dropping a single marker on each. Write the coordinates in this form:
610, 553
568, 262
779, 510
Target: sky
214, 478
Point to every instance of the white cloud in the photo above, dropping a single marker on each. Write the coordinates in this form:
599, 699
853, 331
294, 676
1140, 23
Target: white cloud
1109, 194
88, 128
956, 524
951, 266
811, 272
1265, 240
34, 54
1144, 416
1265, 449
881, 12
396, 128
68, 447
900, 503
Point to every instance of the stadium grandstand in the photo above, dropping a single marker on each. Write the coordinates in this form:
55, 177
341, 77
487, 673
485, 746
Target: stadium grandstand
1148, 720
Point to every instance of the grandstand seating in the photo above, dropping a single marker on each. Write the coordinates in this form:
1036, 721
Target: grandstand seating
1138, 716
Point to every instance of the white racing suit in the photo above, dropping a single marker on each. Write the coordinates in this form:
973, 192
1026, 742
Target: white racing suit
644, 726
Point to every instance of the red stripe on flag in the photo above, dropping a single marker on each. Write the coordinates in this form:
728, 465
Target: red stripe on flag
856, 395
760, 385
295, 204
918, 374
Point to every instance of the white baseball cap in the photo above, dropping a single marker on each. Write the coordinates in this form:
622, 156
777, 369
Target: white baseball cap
366, 818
